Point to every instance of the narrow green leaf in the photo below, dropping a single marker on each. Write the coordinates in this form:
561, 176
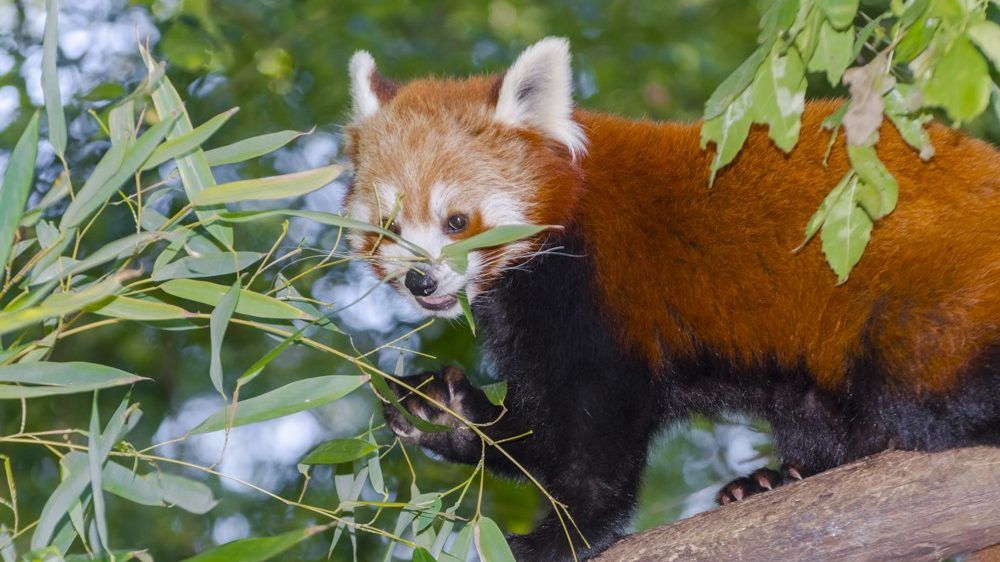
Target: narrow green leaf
59, 189
490, 542
255, 549
840, 13
459, 549
143, 310
252, 147
158, 489
422, 555
184, 143
58, 305
114, 556
44, 378
121, 248
375, 465
258, 366
463, 300
94, 195
75, 476
457, 253
193, 168
339, 451
121, 124
294, 397
329, 219
16, 186
846, 233
7, 552
207, 266
872, 172
274, 187
95, 462
50, 78
250, 303
217, 331
495, 392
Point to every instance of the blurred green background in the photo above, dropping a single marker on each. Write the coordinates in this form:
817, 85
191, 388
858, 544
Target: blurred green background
284, 64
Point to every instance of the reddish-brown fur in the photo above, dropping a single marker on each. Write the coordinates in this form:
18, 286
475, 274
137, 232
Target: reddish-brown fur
683, 266
678, 261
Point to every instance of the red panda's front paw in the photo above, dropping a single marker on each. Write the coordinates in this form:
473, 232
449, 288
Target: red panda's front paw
442, 395
759, 481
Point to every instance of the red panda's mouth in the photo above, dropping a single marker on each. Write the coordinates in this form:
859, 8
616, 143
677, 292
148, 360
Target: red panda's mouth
437, 302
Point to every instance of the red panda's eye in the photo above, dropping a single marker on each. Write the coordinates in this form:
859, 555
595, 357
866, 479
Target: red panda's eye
392, 227
457, 223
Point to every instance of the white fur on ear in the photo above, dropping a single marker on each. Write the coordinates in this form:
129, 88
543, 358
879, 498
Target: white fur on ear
537, 93
364, 102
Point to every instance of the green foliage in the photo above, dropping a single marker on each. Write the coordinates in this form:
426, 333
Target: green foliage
904, 63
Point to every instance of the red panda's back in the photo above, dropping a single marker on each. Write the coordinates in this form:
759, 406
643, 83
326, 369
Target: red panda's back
695, 269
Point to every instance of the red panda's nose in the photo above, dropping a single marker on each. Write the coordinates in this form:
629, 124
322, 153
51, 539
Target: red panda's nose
420, 283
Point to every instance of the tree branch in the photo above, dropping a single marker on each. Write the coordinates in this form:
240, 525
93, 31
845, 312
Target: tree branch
896, 505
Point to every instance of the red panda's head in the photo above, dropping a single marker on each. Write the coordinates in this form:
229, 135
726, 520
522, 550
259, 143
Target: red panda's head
440, 160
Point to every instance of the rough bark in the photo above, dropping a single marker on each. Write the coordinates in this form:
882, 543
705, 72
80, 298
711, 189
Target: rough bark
893, 506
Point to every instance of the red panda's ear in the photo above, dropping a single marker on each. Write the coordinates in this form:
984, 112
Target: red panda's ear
369, 90
537, 93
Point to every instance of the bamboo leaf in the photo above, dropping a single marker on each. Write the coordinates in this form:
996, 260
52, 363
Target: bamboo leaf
250, 302
58, 304
217, 331
93, 195
50, 78
207, 266
143, 310
328, 219
121, 248
490, 542
459, 549
274, 187
457, 253
255, 549
195, 173
252, 147
339, 451
44, 378
294, 397
95, 462
158, 489
496, 392
75, 476
16, 186
184, 143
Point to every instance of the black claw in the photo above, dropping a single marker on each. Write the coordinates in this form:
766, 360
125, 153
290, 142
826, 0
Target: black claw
759, 481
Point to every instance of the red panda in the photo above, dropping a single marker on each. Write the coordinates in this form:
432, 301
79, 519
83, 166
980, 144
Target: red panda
660, 297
